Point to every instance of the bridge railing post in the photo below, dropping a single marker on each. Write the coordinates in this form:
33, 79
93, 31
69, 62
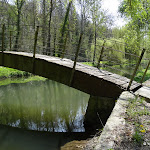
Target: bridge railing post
101, 54
76, 57
136, 68
145, 72
34, 50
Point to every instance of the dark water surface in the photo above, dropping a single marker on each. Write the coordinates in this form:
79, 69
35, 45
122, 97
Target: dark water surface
44, 106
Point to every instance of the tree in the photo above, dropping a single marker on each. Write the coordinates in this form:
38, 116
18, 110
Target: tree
137, 12
49, 28
63, 29
19, 5
43, 24
95, 6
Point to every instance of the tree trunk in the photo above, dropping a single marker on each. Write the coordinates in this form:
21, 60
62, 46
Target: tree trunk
64, 29
19, 8
49, 30
94, 44
34, 14
44, 27
16, 46
54, 51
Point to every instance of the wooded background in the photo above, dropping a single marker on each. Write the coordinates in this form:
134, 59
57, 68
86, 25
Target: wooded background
61, 22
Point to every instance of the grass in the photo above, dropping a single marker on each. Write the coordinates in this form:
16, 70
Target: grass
136, 132
139, 75
9, 72
134, 112
7, 81
88, 63
138, 137
9, 75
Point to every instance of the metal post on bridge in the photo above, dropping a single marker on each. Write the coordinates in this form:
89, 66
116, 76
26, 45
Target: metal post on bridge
136, 68
76, 56
35, 44
101, 54
145, 72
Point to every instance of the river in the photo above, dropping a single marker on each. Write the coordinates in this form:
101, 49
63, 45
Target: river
40, 115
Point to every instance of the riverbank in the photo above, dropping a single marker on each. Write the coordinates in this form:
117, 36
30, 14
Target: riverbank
127, 128
9, 75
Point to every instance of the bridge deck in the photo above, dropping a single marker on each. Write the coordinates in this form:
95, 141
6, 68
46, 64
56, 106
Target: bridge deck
120, 81
115, 78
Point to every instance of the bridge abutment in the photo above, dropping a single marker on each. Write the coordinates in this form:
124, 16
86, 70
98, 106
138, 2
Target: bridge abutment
98, 111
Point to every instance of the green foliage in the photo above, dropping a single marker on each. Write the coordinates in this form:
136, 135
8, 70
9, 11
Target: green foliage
21, 80
140, 75
138, 10
112, 48
138, 137
135, 109
132, 39
9, 72
118, 33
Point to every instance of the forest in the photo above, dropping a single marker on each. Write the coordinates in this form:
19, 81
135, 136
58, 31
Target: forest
60, 24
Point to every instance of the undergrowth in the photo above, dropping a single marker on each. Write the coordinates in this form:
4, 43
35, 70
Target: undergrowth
9, 72
133, 113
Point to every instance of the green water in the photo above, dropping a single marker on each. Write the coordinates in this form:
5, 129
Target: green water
43, 106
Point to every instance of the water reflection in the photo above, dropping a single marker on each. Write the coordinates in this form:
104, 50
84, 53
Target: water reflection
43, 106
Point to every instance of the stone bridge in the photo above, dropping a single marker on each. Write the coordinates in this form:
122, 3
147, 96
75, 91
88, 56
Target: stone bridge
85, 78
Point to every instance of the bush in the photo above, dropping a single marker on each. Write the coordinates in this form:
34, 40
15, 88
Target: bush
9, 72
140, 75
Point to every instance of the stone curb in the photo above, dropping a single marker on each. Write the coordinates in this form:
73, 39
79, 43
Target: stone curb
115, 123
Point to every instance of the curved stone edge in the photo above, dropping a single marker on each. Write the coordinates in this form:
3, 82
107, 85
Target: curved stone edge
115, 123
